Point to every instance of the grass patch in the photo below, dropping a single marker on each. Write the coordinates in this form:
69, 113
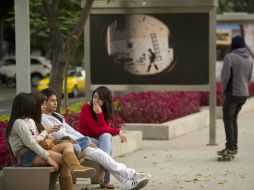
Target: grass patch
4, 117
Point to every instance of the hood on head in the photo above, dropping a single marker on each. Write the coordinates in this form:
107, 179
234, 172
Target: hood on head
237, 42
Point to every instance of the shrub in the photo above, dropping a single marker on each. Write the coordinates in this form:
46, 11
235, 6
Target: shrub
72, 119
204, 96
155, 107
5, 158
116, 121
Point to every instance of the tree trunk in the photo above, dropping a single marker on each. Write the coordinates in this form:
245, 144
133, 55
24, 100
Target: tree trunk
1, 38
61, 50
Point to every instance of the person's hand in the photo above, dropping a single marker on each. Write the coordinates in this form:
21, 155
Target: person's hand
96, 108
122, 137
53, 163
92, 145
53, 129
52, 137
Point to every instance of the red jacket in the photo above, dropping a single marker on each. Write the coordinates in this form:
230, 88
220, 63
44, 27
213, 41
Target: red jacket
89, 127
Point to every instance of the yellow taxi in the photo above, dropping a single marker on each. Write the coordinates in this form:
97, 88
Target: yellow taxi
75, 82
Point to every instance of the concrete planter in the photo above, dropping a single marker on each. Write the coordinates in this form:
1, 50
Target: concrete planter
172, 128
133, 143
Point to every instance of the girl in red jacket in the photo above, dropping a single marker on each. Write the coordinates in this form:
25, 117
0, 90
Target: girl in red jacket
94, 122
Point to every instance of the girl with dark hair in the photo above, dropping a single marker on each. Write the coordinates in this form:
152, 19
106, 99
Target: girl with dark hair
23, 137
94, 121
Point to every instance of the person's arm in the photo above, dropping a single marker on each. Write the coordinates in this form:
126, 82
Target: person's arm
42, 135
48, 123
86, 120
225, 73
122, 137
71, 131
23, 132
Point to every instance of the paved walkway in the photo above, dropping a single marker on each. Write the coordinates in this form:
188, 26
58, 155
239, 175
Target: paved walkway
188, 163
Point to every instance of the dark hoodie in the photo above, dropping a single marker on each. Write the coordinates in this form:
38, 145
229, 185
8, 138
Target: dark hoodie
237, 70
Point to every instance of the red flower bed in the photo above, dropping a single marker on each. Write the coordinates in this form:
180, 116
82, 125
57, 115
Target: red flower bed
72, 119
155, 107
5, 155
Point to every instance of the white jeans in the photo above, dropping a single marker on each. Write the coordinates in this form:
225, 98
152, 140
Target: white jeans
118, 170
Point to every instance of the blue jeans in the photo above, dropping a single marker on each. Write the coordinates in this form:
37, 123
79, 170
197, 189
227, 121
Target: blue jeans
104, 142
81, 144
231, 108
27, 159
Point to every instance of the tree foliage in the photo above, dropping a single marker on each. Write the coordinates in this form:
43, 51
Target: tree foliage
235, 6
69, 13
5, 7
62, 47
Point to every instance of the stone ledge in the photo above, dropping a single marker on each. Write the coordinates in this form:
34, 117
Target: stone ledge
2, 180
18, 177
134, 139
174, 128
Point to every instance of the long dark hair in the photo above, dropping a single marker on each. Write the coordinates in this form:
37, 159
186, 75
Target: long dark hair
106, 96
36, 115
22, 107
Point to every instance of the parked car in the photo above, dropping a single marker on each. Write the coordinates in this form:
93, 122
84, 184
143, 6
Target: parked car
40, 68
75, 82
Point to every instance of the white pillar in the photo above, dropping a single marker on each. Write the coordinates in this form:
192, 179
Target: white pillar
22, 36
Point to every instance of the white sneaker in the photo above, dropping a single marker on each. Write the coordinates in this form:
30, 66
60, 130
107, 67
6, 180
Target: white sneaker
139, 175
135, 183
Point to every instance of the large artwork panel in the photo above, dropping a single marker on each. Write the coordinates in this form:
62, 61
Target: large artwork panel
150, 48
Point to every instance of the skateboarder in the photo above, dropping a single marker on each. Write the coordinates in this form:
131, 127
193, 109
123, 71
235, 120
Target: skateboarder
235, 76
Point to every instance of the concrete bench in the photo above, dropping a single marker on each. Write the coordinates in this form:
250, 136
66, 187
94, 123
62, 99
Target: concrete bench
29, 178
39, 178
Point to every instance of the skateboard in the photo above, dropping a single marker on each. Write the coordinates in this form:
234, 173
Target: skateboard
225, 157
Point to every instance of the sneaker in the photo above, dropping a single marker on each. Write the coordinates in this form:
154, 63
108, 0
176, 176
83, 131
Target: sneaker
235, 151
225, 152
135, 183
140, 175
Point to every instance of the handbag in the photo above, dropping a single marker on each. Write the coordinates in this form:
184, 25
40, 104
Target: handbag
47, 143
